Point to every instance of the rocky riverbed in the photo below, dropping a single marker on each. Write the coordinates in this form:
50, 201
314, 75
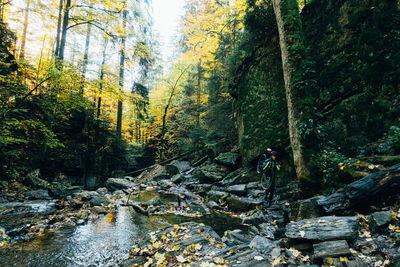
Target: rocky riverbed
209, 215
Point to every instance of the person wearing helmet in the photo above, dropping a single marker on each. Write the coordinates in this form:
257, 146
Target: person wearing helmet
269, 193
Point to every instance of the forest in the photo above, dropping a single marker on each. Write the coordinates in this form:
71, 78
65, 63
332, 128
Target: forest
98, 129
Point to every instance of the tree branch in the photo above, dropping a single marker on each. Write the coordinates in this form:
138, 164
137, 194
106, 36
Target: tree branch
36, 87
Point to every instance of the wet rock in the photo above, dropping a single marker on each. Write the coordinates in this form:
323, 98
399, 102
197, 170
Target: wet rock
86, 195
242, 203
216, 195
267, 230
268, 248
177, 178
366, 246
182, 166
38, 194
239, 189
33, 179
102, 190
155, 201
254, 217
256, 193
157, 172
241, 176
99, 210
378, 220
212, 205
58, 190
83, 215
171, 169
75, 203
305, 209
331, 249
236, 237
324, 228
165, 183
114, 184
98, 200
201, 188
228, 159
210, 173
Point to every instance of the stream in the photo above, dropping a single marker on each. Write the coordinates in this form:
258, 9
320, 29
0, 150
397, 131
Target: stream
104, 241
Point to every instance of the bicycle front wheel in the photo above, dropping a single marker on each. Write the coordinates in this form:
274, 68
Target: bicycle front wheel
266, 180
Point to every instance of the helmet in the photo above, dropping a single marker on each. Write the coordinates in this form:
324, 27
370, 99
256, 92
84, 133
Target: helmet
274, 153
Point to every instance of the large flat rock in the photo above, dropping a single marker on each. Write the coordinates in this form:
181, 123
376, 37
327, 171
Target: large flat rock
331, 249
324, 228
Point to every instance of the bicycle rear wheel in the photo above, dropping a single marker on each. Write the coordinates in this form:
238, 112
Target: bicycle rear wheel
266, 179
260, 163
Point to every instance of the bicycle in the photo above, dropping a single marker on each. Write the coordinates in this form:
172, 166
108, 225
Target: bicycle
266, 168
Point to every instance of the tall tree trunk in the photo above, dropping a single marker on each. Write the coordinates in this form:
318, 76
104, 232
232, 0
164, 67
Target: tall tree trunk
64, 31
121, 73
198, 94
291, 42
101, 76
86, 59
86, 53
23, 40
60, 13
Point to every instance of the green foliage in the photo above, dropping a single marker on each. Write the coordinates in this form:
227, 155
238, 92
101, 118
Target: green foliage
394, 139
331, 164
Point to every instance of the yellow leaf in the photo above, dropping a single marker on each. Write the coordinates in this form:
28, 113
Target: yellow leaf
394, 217
329, 261
276, 261
343, 259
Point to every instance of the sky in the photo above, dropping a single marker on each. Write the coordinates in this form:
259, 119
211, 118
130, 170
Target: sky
166, 16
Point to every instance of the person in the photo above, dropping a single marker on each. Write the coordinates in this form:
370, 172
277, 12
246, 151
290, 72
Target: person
271, 158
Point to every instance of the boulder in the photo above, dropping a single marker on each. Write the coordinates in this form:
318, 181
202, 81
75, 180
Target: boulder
102, 190
212, 205
305, 209
227, 159
331, 249
242, 203
99, 210
236, 237
38, 194
254, 217
114, 184
324, 228
267, 230
201, 188
239, 189
213, 195
156, 173
155, 201
86, 195
165, 183
268, 248
58, 190
210, 173
379, 220
182, 166
33, 179
98, 200
177, 178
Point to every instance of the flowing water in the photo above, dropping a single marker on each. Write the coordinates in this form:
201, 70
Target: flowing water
101, 242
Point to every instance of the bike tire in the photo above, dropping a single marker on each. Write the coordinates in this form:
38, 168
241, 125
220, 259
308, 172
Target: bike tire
260, 162
266, 179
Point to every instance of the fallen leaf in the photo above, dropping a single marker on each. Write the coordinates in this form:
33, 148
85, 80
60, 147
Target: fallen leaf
302, 233
329, 261
276, 261
258, 258
181, 259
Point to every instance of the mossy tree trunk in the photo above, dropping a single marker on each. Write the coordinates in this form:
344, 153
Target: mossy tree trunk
299, 101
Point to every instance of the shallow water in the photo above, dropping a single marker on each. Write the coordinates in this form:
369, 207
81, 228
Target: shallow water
102, 242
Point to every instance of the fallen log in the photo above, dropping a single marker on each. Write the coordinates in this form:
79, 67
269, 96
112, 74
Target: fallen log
360, 194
